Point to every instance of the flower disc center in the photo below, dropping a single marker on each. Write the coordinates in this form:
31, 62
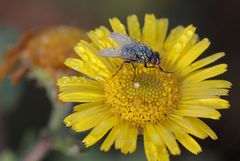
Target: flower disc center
149, 97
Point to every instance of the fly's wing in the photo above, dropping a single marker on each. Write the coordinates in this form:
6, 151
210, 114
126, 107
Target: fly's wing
111, 52
121, 39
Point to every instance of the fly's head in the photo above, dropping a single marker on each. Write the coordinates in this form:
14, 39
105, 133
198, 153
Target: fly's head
155, 58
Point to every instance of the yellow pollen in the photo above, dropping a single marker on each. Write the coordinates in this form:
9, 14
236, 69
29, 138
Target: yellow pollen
148, 98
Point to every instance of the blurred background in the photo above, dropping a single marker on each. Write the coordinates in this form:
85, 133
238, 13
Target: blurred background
25, 108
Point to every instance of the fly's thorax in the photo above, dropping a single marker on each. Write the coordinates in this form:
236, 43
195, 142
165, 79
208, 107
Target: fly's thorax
137, 52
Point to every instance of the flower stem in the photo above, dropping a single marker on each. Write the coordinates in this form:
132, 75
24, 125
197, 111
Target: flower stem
58, 113
39, 150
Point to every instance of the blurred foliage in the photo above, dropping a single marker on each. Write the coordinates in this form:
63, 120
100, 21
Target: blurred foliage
9, 94
8, 37
28, 140
7, 156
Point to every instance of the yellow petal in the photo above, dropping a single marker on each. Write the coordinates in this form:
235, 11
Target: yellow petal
89, 54
201, 125
192, 54
92, 108
198, 111
186, 126
203, 93
101, 40
78, 84
134, 27
82, 67
150, 148
149, 30
205, 73
190, 44
169, 139
154, 152
179, 46
187, 141
88, 118
153, 133
172, 38
84, 106
90, 121
110, 138
100, 130
117, 26
162, 26
216, 103
207, 84
81, 96
119, 143
201, 63
162, 153
204, 89
130, 141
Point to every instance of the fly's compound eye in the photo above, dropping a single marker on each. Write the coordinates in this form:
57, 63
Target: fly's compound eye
153, 60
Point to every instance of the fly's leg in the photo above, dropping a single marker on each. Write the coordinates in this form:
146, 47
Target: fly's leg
134, 74
158, 67
119, 69
122, 66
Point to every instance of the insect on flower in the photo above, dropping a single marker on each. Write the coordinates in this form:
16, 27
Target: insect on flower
167, 109
132, 51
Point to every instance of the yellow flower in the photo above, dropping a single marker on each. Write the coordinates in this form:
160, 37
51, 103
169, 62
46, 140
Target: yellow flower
162, 107
44, 49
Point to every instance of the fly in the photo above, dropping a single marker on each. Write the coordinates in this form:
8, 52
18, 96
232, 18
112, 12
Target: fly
132, 51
